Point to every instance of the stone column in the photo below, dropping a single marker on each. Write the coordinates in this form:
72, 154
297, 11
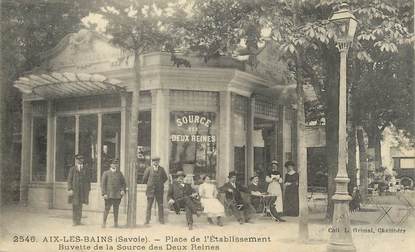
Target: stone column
50, 157
280, 138
160, 126
249, 139
160, 132
287, 138
275, 141
225, 150
25, 163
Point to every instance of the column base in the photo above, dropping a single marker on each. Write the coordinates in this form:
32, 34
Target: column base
341, 247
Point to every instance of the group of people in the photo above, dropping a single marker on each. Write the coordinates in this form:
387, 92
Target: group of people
183, 195
113, 188
270, 193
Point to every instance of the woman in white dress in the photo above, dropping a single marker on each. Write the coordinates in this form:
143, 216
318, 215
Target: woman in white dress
274, 188
212, 206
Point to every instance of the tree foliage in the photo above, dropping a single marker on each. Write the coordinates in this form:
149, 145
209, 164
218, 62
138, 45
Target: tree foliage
218, 27
135, 25
28, 28
376, 60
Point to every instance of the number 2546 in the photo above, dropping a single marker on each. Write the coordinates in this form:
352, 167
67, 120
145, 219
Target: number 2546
24, 238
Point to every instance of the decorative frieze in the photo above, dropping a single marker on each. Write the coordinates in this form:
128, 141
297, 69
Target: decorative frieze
182, 99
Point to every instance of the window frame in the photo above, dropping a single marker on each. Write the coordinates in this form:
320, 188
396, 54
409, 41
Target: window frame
76, 117
99, 112
32, 124
216, 124
139, 173
406, 159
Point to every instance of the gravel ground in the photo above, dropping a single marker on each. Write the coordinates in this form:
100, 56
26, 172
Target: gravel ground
45, 225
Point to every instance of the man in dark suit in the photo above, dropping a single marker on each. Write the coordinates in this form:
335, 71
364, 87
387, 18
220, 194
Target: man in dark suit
155, 177
255, 191
79, 185
240, 208
180, 196
113, 189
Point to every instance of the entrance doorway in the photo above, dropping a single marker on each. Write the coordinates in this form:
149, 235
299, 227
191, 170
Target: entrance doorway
264, 142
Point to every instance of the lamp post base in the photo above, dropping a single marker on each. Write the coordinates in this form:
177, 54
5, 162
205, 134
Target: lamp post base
341, 247
341, 233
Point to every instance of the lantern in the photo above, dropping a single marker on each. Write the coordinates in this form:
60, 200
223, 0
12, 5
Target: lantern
344, 24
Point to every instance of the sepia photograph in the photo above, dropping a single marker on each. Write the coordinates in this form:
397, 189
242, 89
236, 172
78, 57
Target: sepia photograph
207, 125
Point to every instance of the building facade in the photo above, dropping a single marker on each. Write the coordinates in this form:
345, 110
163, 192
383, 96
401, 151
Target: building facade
210, 118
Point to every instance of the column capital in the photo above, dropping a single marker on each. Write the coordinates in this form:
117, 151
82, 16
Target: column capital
343, 46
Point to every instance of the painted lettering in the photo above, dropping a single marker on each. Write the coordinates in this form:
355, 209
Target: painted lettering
193, 119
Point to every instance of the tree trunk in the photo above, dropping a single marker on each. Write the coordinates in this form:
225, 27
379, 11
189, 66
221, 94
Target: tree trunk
374, 135
378, 149
6, 140
3, 84
301, 150
7, 164
2, 136
332, 122
301, 153
132, 164
351, 128
363, 176
351, 158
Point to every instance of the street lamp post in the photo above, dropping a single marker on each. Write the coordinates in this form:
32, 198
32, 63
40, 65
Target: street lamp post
341, 237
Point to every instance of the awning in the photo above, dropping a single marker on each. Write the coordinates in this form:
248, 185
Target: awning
57, 85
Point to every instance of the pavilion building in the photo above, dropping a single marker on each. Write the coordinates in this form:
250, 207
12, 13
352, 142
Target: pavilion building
211, 118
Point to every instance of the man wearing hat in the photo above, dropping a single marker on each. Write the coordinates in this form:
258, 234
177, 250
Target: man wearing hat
240, 208
155, 176
255, 191
79, 185
112, 189
181, 195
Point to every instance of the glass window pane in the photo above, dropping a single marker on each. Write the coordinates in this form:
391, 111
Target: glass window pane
111, 133
65, 146
88, 127
39, 148
407, 163
144, 143
193, 143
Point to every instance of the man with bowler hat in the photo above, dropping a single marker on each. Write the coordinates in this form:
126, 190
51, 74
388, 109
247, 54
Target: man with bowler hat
240, 208
181, 195
113, 189
155, 176
79, 185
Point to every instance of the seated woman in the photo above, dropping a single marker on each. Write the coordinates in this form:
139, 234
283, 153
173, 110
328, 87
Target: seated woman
211, 205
